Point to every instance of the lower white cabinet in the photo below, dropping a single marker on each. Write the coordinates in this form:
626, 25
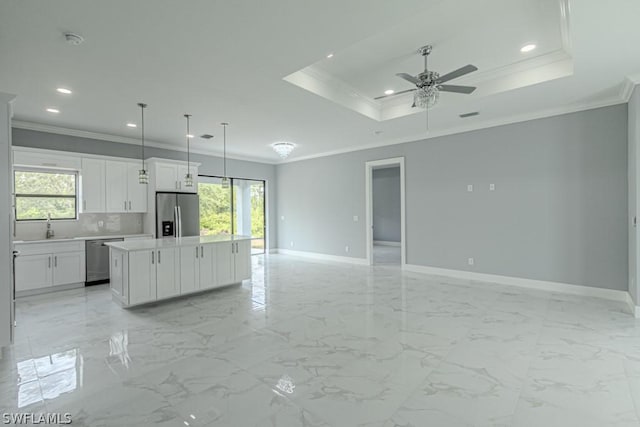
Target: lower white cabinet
33, 272
142, 276
68, 267
153, 275
167, 273
197, 268
42, 266
233, 262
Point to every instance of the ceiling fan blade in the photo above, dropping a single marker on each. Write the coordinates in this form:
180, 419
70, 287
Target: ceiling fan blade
457, 73
396, 93
457, 89
408, 77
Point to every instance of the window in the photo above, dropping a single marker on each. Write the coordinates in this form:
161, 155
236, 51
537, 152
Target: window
43, 193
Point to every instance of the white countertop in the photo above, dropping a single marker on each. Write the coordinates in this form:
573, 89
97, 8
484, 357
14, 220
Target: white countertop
170, 242
71, 239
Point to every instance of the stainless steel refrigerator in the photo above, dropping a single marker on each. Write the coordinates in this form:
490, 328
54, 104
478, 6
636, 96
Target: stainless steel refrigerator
177, 215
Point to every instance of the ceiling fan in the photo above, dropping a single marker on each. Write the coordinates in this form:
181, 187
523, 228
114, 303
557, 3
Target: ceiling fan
429, 84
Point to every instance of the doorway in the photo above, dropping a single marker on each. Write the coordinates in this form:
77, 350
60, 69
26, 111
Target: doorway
239, 208
385, 204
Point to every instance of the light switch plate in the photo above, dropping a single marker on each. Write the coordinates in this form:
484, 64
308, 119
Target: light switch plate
492, 187
470, 188
355, 218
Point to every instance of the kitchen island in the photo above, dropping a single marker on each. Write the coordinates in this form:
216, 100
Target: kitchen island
144, 271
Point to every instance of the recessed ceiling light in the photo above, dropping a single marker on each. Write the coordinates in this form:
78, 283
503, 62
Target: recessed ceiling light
132, 125
389, 92
63, 90
330, 56
53, 110
189, 135
527, 48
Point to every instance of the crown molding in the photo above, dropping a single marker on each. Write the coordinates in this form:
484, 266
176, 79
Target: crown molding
630, 82
551, 112
40, 127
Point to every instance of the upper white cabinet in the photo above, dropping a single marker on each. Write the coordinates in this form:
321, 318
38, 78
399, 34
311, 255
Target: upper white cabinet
136, 192
93, 187
123, 191
170, 175
45, 159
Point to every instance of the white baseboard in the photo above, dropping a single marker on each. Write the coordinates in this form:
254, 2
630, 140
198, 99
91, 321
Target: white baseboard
633, 308
386, 243
324, 257
566, 288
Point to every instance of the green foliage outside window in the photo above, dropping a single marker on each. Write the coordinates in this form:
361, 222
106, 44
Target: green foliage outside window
43, 193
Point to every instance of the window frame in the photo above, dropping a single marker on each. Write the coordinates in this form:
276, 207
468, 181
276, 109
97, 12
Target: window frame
75, 196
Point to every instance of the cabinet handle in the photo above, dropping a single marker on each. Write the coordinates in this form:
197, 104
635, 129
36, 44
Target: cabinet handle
159, 261
84, 205
125, 205
55, 261
129, 204
196, 252
153, 259
201, 251
49, 262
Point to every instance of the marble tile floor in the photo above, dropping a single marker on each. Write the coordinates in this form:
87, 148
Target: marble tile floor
326, 344
386, 255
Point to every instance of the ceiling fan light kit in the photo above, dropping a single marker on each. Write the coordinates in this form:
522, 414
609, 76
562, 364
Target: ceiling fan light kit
429, 83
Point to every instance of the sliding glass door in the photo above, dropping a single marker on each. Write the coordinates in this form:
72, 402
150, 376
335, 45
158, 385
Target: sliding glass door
238, 209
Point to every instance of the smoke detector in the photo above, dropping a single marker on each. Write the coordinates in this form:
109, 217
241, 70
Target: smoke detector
73, 38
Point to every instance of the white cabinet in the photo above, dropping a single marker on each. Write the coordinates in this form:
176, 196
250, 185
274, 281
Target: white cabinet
42, 266
170, 176
189, 269
225, 263
242, 259
116, 180
152, 275
142, 277
207, 267
68, 267
123, 191
167, 273
233, 262
33, 272
166, 176
93, 187
197, 268
136, 192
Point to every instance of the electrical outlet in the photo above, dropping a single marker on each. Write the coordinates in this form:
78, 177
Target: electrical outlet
470, 188
471, 261
355, 218
291, 243
100, 224
346, 249
492, 187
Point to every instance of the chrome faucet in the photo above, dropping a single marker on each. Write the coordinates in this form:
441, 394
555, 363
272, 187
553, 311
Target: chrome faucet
50, 232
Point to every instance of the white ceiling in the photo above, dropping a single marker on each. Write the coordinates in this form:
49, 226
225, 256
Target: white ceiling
226, 61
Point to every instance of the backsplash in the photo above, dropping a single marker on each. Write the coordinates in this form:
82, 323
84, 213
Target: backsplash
86, 225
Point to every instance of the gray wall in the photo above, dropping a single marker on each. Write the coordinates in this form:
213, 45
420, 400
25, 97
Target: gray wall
210, 165
559, 211
634, 157
385, 187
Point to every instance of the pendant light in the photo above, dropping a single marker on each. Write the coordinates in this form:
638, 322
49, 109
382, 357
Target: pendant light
225, 179
143, 175
188, 178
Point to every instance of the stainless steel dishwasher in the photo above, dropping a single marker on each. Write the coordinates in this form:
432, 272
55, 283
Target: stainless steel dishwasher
97, 261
